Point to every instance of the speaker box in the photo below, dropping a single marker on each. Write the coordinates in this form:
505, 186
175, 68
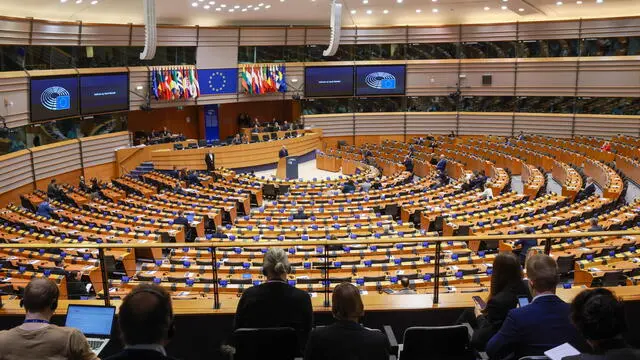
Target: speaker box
487, 79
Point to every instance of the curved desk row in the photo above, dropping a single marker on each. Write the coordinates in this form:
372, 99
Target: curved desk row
235, 156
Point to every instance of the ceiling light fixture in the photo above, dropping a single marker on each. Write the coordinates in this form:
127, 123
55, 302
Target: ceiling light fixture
418, 11
218, 9
78, 1
353, 12
94, 2
399, 1
365, 1
231, 10
261, 4
559, 3
503, 7
207, 7
579, 2
369, 12
256, 8
236, 6
486, 8
434, 10
244, 10
194, 4
521, 9
223, 6
599, 1
63, 1
266, 7
212, 2
385, 11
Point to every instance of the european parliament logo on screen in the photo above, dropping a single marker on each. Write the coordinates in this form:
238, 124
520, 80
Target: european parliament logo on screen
381, 80
218, 81
56, 98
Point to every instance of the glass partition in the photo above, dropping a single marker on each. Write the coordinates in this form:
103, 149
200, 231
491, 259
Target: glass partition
432, 51
314, 53
615, 46
430, 103
608, 106
379, 104
548, 48
327, 106
487, 103
488, 49
12, 140
545, 104
380, 52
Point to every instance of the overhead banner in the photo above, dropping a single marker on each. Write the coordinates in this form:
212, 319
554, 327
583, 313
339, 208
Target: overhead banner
218, 81
211, 124
263, 79
173, 83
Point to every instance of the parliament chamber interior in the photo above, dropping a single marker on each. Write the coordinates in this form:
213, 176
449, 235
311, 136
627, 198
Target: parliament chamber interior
403, 149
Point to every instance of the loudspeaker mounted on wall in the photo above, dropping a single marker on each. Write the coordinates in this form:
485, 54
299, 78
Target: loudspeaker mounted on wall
487, 79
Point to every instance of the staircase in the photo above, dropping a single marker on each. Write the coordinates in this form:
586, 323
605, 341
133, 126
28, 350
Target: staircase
141, 169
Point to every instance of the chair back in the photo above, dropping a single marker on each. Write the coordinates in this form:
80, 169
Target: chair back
437, 343
266, 343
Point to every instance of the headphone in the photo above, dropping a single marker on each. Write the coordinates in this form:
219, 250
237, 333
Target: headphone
54, 304
163, 299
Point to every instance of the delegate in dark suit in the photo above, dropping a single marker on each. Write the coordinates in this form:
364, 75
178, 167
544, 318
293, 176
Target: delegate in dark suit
588, 191
276, 304
283, 153
442, 165
534, 329
611, 350
136, 354
496, 312
208, 159
346, 340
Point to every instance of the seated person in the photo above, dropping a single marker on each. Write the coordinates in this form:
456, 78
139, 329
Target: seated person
376, 186
193, 179
76, 288
181, 219
366, 186
599, 317
406, 287
237, 140
44, 209
487, 193
275, 303
543, 324
146, 324
300, 215
594, 225
53, 191
83, 185
346, 339
408, 163
526, 244
442, 164
506, 286
606, 146
349, 187
36, 338
589, 189
255, 130
174, 173
245, 139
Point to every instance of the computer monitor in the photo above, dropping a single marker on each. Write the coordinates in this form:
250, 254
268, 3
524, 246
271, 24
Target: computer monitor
91, 320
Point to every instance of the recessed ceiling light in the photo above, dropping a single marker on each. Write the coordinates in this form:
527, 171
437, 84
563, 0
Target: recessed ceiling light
244, 10
385, 11
256, 8
579, 2
434, 0
63, 1
503, 7
266, 7
369, 12
399, 1
249, 6
418, 11
281, 0
207, 7
353, 12
78, 1
212, 2
94, 2
231, 10
365, 1
559, 3
236, 6
261, 4
599, 1
434, 10
486, 8
200, 0
223, 6
218, 9
521, 9
194, 4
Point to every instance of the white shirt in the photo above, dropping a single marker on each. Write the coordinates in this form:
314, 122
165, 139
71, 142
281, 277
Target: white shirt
541, 295
487, 193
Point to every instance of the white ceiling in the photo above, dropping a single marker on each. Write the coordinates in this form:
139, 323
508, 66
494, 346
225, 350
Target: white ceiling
317, 12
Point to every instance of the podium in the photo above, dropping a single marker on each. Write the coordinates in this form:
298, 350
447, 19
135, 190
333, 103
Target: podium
281, 172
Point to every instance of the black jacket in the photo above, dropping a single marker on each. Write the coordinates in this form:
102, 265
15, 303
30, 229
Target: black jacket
139, 355
346, 340
496, 311
615, 349
276, 304
209, 161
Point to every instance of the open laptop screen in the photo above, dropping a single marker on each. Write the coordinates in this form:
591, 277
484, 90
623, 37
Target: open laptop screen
91, 320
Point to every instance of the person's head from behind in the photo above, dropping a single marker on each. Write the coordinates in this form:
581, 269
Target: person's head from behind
146, 316
598, 315
346, 303
404, 281
442, 157
506, 272
594, 221
589, 181
487, 185
53, 181
300, 210
276, 264
40, 297
542, 272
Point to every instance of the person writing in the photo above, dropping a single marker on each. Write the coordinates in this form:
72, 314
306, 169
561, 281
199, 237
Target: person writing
36, 338
44, 209
346, 339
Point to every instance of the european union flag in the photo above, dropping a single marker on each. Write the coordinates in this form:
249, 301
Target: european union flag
218, 81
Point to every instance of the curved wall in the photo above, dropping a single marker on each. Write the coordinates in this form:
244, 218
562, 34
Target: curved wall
27, 170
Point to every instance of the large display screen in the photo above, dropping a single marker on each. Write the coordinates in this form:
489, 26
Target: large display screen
53, 98
380, 80
322, 81
104, 93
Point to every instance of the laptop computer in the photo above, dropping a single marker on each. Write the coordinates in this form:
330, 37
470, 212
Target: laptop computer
94, 321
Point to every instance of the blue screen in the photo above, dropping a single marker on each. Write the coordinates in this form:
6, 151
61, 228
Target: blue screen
53, 98
104, 93
380, 80
328, 81
90, 320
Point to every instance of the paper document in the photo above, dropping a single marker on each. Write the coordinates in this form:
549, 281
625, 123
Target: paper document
559, 352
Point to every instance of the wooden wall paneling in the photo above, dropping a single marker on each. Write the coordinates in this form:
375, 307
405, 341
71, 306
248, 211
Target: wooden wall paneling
97, 150
610, 27
609, 76
295, 36
332, 141
263, 97
50, 33
489, 32
13, 195
275, 36
501, 70
387, 35
177, 36
139, 86
295, 80
224, 36
434, 34
14, 90
102, 172
217, 57
548, 30
379, 123
331, 124
15, 171
376, 139
137, 35
70, 177
15, 31
556, 125
422, 123
217, 99
55, 159
546, 77
349, 36
105, 35
485, 123
607, 125
431, 77
318, 36
178, 120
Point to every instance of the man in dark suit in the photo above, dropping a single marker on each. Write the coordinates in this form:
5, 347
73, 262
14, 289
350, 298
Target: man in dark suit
300, 215
146, 324
526, 244
589, 188
594, 225
283, 152
599, 316
181, 219
210, 161
52, 190
541, 325
346, 339
442, 164
275, 303
408, 163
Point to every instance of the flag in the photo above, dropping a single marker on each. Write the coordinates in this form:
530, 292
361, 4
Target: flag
219, 81
154, 84
194, 78
246, 84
